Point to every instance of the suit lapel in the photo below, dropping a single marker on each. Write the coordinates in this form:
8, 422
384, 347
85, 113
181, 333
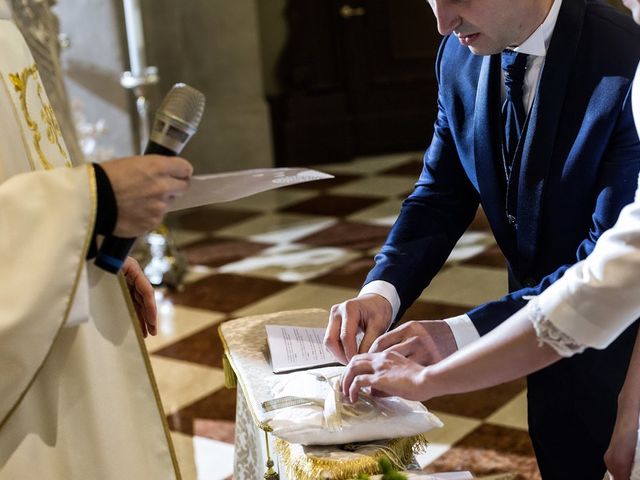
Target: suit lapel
538, 146
487, 137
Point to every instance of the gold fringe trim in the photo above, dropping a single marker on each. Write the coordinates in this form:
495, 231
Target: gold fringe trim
310, 467
230, 379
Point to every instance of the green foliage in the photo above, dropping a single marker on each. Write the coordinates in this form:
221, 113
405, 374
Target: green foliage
388, 472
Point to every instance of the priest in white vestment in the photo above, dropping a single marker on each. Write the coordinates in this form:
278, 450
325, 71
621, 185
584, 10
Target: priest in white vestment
77, 395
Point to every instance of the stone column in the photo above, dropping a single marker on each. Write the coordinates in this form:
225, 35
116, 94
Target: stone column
213, 45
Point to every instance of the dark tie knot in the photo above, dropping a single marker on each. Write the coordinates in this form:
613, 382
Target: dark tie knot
514, 66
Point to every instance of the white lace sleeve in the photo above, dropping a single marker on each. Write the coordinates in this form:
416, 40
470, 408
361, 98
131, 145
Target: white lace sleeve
551, 335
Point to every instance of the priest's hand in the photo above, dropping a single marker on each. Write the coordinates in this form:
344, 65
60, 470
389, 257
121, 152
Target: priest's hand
385, 373
144, 188
370, 313
425, 342
142, 295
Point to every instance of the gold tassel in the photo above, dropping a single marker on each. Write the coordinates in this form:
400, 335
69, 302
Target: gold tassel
230, 379
303, 467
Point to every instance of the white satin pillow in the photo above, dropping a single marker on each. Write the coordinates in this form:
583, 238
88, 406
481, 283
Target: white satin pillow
327, 420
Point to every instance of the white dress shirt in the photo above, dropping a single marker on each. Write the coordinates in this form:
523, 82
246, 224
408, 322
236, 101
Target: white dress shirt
536, 47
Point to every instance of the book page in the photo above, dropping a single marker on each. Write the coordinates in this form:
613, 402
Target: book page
297, 348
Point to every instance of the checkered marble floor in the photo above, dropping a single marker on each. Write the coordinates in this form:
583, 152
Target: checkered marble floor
310, 246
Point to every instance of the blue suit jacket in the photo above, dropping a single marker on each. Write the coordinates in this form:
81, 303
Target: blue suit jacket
577, 165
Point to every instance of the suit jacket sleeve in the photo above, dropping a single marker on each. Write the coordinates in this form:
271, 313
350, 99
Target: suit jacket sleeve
597, 299
431, 219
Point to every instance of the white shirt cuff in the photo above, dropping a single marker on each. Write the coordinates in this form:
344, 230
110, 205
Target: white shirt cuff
386, 291
463, 330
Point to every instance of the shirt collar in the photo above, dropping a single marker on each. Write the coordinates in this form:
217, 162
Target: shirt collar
539, 40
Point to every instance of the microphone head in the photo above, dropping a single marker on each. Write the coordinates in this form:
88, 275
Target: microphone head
178, 117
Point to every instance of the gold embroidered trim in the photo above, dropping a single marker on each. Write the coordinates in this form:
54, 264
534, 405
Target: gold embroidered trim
152, 379
20, 82
54, 134
15, 114
89, 234
310, 467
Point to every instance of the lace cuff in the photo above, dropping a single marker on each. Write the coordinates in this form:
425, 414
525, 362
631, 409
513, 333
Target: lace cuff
551, 335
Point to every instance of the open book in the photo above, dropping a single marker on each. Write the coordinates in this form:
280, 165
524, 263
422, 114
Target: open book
297, 348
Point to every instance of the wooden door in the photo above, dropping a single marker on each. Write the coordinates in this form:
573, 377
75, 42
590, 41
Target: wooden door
358, 79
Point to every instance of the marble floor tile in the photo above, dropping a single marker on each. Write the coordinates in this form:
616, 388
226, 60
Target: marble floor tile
226, 292
278, 227
298, 297
467, 285
384, 214
214, 252
332, 204
197, 272
291, 262
356, 236
470, 245
220, 430
206, 219
201, 458
412, 167
378, 186
176, 322
181, 383
480, 221
349, 275
490, 450
182, 237
203, 347
215, 407
480, 404
441, 439
491, 257
369, 165
513, 414
421, 310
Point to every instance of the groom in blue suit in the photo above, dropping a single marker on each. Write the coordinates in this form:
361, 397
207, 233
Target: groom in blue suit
535, 125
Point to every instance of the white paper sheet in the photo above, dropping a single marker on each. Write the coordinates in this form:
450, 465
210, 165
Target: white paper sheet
224, 187
296, 348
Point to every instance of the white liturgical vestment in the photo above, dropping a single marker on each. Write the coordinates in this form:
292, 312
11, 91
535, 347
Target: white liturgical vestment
76, 401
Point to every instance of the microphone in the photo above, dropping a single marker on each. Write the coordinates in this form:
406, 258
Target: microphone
175, 122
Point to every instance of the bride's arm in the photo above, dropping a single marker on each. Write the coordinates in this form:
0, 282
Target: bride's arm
510, 351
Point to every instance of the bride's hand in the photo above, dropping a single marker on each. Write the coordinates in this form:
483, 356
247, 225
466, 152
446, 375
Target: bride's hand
621, 451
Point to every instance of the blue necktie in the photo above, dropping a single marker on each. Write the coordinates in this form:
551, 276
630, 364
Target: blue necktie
514, 66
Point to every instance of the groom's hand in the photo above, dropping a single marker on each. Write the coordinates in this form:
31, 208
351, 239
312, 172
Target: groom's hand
425, 341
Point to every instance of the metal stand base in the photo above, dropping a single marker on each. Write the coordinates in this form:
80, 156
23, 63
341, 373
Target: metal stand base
162, 262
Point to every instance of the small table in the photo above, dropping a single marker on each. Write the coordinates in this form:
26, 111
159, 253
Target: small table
247, 358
